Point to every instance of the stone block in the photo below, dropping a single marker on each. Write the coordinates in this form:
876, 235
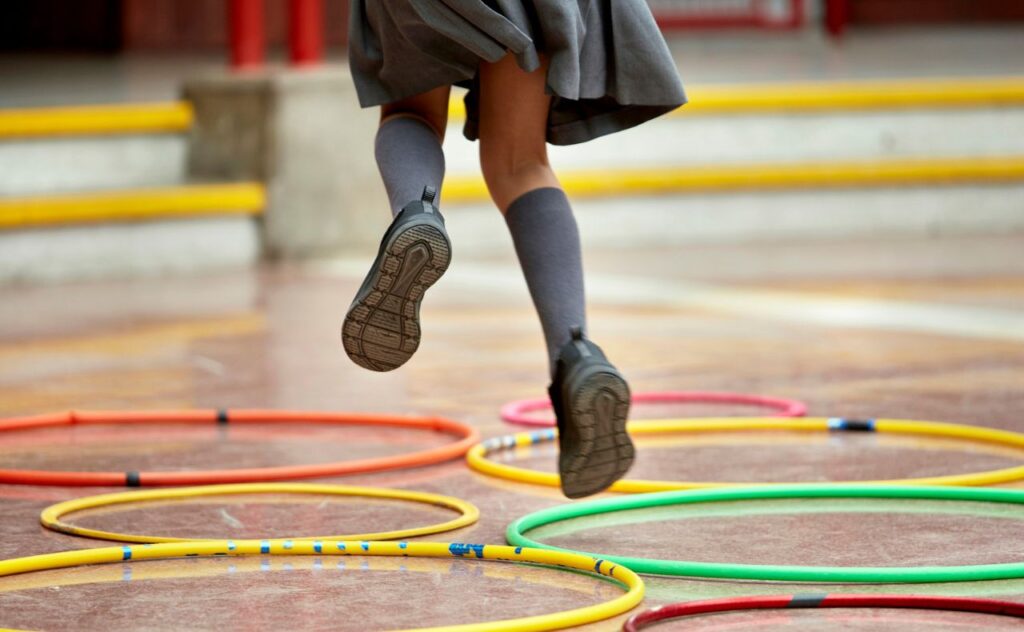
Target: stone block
303, 134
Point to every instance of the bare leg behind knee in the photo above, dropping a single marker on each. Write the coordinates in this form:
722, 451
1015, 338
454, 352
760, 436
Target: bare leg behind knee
513, 156
513, 131
430, 107
591, 406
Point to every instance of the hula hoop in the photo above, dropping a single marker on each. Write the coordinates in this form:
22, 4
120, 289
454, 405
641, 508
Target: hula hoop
765, 602
669, 592
240, 565
477, 457
518, 412
467, 437
554, 621
51, 516
818, 574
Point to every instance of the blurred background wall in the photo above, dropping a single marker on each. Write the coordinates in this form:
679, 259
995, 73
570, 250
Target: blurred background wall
141, 25
196, 25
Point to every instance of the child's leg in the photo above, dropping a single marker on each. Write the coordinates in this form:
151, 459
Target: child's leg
513, 157
408, 146
381, 330
589, 395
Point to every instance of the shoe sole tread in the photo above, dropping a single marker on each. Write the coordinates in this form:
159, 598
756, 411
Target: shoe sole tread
381, 330
598, 409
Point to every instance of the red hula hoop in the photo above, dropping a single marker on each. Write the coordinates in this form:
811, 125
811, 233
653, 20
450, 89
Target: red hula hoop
467, 437
917, 602
517, 412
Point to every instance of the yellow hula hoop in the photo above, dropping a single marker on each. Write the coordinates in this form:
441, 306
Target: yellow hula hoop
51, 516
554, 621
107, 574
477, 457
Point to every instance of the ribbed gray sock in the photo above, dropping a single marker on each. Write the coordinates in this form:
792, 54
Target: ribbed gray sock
409, 157
547, 243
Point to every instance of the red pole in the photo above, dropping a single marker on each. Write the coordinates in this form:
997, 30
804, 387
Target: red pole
247, 33
796, 20
836, 16
306, 31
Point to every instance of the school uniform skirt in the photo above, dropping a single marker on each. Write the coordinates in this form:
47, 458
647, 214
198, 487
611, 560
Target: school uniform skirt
610, 68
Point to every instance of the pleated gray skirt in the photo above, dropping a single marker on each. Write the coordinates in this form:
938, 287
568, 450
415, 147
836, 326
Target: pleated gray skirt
610, 68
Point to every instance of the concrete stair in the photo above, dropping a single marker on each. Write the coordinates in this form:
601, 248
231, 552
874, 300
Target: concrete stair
102, 191
821, 161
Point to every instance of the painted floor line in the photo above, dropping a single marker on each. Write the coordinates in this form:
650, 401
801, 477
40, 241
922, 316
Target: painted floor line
834, 311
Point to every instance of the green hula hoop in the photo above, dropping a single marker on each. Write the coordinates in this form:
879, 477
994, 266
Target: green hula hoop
515, 534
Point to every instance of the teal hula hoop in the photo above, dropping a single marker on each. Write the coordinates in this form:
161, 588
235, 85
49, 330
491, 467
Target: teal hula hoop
515, 534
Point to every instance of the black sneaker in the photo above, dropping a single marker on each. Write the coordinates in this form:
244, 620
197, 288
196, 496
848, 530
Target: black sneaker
591, 402
382, 328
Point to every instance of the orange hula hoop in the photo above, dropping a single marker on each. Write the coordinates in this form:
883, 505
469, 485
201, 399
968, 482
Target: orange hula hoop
467, 437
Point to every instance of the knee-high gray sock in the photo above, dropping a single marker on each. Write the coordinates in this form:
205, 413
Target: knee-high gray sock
409, 157
547, 243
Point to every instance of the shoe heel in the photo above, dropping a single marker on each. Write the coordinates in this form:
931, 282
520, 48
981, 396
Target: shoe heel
603, 452
381, 331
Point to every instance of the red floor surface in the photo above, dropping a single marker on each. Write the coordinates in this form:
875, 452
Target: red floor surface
270, 340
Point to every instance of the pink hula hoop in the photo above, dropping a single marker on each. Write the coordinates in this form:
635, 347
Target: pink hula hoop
517, 412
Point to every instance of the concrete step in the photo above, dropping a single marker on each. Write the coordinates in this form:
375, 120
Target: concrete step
807, 162
789, 97
128, 249
130, 233
821, 136
79, 148
796, 135
674, 221
61, 165
737, 149
735, 178
779, 163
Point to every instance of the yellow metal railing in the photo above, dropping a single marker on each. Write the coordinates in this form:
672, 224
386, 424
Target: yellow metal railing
83, 120
192, 200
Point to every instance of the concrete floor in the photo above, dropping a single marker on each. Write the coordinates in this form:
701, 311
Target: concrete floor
926, 329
